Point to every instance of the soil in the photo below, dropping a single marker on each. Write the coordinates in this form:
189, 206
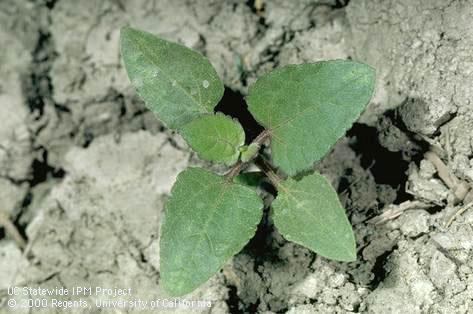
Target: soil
85, 168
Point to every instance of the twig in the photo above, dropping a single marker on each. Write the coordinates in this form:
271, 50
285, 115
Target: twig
458, 213
11, 230
394, 211
459, 187
259, 6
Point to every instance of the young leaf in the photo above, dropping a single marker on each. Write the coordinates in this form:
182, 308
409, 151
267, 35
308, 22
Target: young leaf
308, 107
215, 138
308, 212
207, 221
177, 83
249, 152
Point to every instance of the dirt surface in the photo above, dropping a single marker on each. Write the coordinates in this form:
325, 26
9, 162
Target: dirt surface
85, 169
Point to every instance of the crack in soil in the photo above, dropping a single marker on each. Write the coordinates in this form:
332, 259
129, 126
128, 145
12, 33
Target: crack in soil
387, 166
378, 269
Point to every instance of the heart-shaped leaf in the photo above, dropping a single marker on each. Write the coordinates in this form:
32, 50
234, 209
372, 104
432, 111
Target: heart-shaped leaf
308, 212
208, 219
308, 107
215, 138
177, 83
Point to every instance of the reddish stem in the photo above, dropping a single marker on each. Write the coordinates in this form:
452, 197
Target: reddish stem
268, 171
236, 169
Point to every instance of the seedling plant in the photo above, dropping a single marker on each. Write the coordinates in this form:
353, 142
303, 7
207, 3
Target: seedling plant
304, 110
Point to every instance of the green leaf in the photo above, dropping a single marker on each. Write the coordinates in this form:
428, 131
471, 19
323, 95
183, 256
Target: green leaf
208, 220
215, 138
308, 107
177, 83
249, 152
308, 212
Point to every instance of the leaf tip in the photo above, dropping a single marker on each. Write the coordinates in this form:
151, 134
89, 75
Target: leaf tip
350, 255
125, 31
347, 251
344, 254
367, 72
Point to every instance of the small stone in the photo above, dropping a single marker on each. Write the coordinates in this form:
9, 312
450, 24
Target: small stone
427, 169
414, 222
337, 280
442, 270
464, 269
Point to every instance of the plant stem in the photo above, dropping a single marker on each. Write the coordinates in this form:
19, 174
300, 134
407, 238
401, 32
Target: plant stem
261, 138
11, 230
236, 169
268, 171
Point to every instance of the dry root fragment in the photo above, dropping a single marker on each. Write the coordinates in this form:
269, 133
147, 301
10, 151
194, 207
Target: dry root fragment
259, 7
461, 190
469, 204
394, 211
11, 230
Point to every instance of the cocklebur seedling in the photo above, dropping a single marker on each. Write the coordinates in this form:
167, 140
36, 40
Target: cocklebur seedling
304, 109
